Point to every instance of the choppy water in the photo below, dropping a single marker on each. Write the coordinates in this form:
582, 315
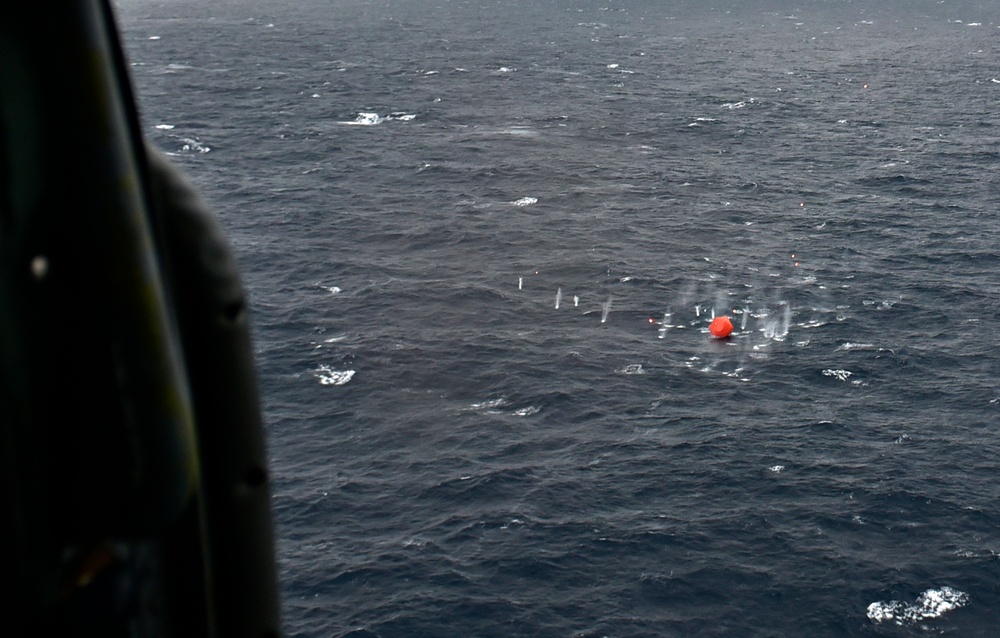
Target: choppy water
484, 241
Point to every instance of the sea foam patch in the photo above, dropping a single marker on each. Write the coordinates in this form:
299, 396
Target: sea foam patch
840, 375
490, 405
329, 376
930, 604
193, 145
365, 119
372, 119
632, 368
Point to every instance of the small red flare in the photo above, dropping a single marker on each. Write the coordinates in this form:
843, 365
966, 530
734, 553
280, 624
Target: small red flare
721, 327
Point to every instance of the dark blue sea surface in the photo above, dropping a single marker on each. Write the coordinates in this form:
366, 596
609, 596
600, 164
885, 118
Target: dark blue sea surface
483, 242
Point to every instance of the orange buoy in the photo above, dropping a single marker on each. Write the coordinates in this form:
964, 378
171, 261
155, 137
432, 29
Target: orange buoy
720, 327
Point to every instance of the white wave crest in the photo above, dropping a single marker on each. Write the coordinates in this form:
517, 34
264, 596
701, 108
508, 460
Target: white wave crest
328, 376
930, 604
840, 375
856, 346
491, 404
193, 145
632, 368
365, 119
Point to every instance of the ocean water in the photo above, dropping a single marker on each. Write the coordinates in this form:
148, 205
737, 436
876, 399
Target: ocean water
483, 243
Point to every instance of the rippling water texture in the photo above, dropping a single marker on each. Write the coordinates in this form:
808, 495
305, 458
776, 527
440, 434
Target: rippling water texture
484, 241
